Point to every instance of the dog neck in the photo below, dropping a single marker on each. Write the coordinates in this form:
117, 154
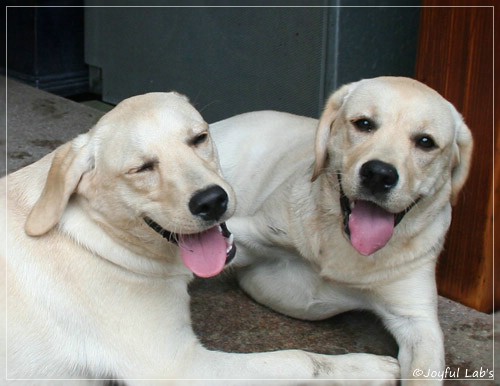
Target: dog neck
311, 205
157, 259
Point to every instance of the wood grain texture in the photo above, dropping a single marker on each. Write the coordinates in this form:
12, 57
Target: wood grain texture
456, 58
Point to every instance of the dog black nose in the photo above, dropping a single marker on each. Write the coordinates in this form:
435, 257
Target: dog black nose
378, 177
210, 203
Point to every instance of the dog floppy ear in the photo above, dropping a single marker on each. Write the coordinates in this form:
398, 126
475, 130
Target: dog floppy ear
69, 163
324, 127
463, 147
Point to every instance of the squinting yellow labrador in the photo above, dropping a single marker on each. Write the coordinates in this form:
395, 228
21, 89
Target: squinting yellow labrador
351, 212
102, 238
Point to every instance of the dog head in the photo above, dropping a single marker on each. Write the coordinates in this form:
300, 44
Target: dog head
149, 165
390, 142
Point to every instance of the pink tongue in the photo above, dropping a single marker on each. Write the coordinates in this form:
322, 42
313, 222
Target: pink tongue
371, 227
204, 253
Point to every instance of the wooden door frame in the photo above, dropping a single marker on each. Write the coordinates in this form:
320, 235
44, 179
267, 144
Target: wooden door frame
456, 58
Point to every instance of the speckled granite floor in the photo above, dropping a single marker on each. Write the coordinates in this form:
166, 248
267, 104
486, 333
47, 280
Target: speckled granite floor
223, 317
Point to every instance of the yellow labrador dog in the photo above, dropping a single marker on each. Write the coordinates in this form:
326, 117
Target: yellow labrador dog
102, 238
351, 212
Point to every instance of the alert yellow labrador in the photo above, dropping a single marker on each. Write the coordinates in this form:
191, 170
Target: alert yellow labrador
350, 212
103, 236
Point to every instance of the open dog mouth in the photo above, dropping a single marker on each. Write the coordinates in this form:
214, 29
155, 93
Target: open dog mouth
368, 226
205, 253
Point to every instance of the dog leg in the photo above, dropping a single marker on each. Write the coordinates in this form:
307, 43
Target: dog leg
409, 310
291, 365
421, 351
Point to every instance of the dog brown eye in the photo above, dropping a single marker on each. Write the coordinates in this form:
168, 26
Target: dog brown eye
364, 124
425, 142
199, 139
